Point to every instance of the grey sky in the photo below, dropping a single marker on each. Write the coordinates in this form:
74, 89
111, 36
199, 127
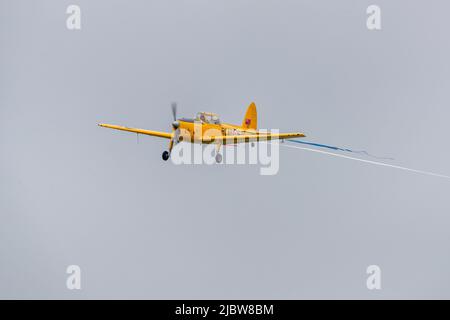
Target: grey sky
74, 193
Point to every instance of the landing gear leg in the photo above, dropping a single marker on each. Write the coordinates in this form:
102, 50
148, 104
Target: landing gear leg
166, 154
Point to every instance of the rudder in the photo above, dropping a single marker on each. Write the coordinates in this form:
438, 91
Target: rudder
251, 117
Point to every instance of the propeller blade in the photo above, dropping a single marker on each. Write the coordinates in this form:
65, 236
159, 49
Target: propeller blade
175, 127
175, 139
174, 110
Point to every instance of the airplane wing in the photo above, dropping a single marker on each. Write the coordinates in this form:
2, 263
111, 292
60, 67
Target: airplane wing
244, 138
226, 139
159, 134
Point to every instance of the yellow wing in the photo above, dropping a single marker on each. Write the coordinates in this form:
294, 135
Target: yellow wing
243, 138
160, 134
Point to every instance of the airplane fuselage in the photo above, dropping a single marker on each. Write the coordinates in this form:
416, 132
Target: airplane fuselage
195, 131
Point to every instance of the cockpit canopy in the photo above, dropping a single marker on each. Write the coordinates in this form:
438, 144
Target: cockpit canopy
207, 117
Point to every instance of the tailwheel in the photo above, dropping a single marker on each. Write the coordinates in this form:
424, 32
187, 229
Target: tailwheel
218, 158
165, 155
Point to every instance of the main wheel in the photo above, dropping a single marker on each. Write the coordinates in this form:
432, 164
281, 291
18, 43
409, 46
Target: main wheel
218, 158
165, 155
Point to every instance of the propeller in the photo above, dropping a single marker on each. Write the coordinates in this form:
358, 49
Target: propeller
175, 126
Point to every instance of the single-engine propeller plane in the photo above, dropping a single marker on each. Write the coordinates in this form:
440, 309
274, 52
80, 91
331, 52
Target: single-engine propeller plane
207, 128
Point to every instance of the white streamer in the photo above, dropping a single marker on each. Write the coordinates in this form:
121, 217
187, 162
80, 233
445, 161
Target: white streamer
368, 161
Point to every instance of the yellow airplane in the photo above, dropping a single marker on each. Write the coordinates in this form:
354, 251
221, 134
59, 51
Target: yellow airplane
207, 128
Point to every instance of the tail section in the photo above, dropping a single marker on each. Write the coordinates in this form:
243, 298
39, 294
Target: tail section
251, 117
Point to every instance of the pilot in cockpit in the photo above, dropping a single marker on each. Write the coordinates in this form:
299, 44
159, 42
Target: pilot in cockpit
206, 117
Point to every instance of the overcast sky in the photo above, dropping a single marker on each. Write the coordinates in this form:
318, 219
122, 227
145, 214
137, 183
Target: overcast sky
138, 227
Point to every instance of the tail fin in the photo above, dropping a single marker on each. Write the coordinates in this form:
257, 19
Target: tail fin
251, 117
